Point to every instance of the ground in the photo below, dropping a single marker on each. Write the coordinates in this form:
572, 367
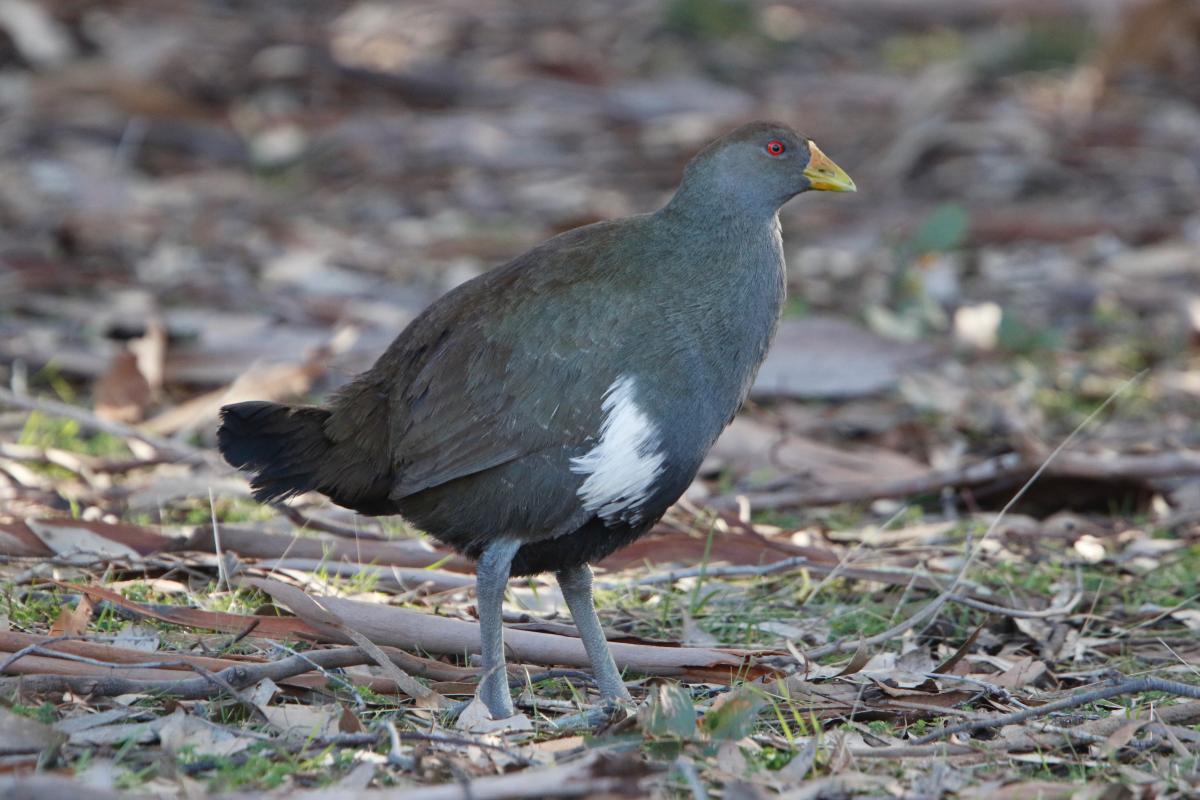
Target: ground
950, 548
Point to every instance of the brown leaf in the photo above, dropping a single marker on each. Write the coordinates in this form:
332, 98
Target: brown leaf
73, 622
861, 658
1122, 736
45, 665
270, 626
66, 539
122, 394
693, 633
46, 536
270, 382
204, 738
151, 353
250, 542
947, 666
349, 722
1024, 672
737, 546
302, 720
11, 641
748, 446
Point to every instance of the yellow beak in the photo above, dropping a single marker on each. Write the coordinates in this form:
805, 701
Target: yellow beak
824, 175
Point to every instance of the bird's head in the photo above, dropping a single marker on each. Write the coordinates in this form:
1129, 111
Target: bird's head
759, 167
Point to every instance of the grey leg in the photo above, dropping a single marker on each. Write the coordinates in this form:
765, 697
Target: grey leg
576, 584
491, 579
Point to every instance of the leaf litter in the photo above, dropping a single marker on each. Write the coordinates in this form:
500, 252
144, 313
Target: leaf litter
846, 603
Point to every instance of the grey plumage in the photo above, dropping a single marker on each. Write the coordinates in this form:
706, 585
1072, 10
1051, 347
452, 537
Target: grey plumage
477, 423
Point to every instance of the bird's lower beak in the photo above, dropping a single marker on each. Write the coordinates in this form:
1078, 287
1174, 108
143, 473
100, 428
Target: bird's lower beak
824, 175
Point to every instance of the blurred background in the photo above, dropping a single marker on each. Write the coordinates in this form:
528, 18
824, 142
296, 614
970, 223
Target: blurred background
209, 201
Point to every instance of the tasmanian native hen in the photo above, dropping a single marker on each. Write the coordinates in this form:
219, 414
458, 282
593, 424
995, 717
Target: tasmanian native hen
548, 412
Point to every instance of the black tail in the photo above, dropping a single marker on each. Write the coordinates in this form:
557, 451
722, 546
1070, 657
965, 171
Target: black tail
288, 452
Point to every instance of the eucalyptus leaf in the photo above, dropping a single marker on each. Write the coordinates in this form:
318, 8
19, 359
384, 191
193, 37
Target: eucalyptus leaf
733, 719
672, 714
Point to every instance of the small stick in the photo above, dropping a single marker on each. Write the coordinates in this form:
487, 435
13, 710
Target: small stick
24, 651
40, 649
240, 675
222, 572
177, 450
1017, 613
220, 682
783, 565
302, 520
1121, 687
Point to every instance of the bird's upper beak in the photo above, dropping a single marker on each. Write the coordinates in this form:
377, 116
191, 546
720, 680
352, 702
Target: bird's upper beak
824, 175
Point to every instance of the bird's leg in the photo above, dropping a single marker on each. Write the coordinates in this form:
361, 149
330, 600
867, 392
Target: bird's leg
491, 579
576, 585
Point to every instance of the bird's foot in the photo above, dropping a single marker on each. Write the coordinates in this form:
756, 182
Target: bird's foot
480, 717
497, 698
613, 691
599, 717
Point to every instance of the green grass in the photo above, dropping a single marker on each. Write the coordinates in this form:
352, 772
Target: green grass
264, 767
198, 511
45, 713
709, 19
33, 609
53, 433
866, 619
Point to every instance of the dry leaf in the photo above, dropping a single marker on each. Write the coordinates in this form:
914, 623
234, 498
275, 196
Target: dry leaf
21, 735
73, 621
1122, 736
302, 720
122, 394
693, 634
183, 730
137, 637
349, 722
476, 718
66, 538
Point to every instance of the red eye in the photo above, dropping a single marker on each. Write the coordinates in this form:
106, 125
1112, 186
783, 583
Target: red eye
775, 147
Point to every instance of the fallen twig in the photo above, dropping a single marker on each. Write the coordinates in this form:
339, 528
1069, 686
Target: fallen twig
306, 522
216, 679
1121, 687
408, 629
1010, 466
178, 451
236, 677
891, 576
1019, 613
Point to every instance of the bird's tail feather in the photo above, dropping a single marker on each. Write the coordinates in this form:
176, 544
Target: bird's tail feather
288, 452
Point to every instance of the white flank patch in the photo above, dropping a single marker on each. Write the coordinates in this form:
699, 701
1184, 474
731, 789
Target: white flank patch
622, 467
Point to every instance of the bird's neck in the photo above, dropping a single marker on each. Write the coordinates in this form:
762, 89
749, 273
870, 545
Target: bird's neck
723, 243
728, 286
699, 207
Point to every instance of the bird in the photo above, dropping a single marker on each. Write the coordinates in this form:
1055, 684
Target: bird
545, 413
